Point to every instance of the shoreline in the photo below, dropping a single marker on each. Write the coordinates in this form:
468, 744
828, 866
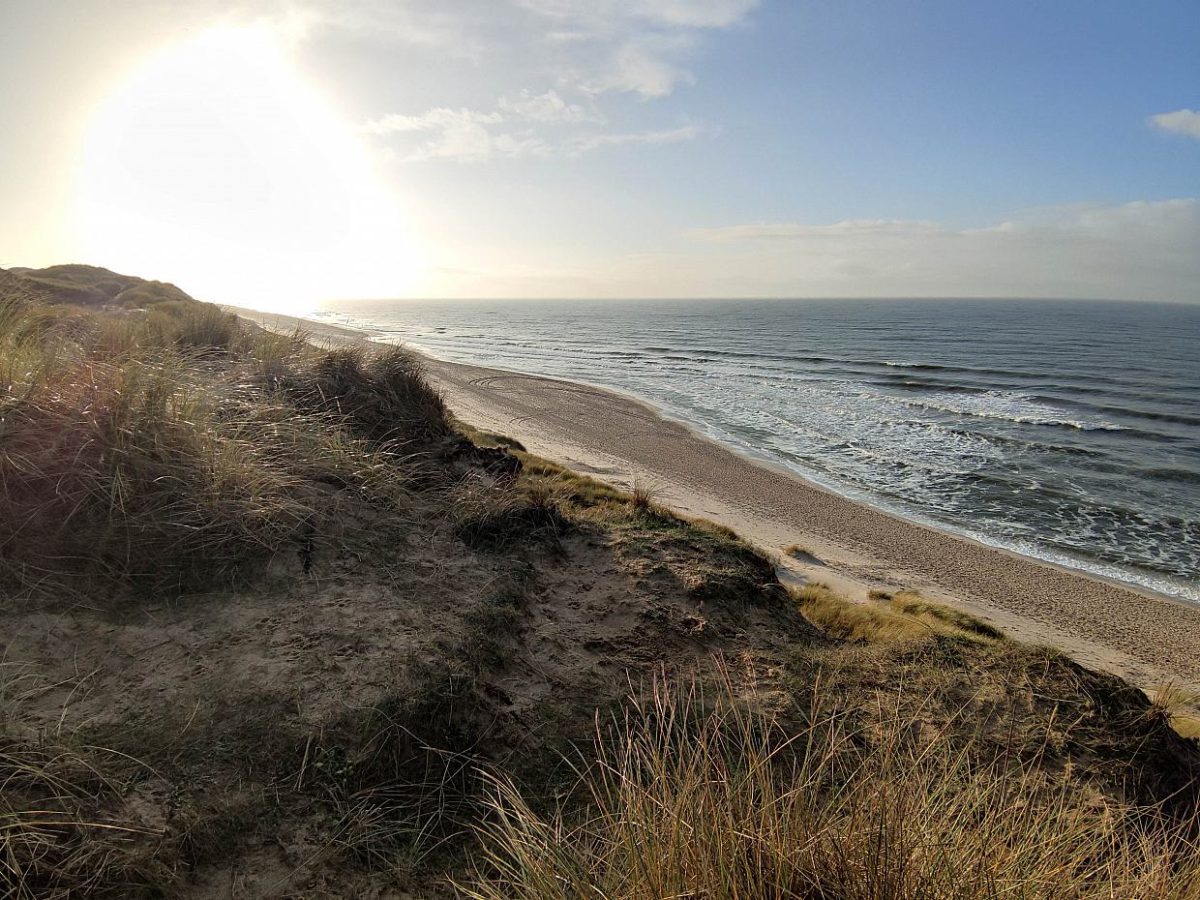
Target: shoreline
851, 545
1162, 587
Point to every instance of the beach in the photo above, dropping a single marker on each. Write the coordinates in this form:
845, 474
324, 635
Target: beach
851, 546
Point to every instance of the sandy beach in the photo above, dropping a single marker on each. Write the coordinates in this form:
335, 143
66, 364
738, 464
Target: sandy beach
848, 545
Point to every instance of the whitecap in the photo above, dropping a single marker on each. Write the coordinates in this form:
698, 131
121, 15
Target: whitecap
1009, 406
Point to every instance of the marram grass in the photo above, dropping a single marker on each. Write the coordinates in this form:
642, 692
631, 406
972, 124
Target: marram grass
169, 447
696, 797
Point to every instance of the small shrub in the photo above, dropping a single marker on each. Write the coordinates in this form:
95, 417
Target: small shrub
202, 326
382, 395
643, 497
495, 521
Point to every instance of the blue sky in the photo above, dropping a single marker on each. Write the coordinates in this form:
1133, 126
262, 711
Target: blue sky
294, 150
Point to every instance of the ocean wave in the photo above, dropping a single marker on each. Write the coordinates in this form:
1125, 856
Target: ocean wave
1009, 407
1112, 409
1086, 380
1167, 473
915, 384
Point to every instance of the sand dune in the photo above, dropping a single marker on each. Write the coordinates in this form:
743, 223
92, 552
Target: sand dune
850, 546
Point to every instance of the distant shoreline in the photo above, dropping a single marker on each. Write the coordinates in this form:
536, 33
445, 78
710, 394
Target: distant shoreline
852, 546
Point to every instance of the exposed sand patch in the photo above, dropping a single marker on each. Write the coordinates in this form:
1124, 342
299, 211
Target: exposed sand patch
229, 698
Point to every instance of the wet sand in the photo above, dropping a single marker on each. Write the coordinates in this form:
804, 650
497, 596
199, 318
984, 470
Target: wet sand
849, 545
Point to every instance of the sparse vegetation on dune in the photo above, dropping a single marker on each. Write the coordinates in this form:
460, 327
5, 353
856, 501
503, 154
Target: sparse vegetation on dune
692, 795
132, 455
93, 286
279, 626
887, 617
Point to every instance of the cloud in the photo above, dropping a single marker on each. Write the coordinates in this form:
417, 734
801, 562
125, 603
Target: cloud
547, 107
613, 45
587, 143
437, 119
878, 228
640, 47
643, 67
1182, 121
1139, 250
562, 71
531, 127
459, 134
685, 13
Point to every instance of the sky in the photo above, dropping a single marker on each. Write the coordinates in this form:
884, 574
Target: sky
277, 153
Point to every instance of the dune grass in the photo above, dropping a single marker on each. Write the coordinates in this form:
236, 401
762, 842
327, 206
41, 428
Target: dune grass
59, 837
381, 394
1178, 707
700, 796
916, 754
133, 454
888, 617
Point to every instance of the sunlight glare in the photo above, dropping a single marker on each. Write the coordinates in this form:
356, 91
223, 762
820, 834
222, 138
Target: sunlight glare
214, 165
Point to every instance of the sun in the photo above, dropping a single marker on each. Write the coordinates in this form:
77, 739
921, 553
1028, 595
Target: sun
213, 164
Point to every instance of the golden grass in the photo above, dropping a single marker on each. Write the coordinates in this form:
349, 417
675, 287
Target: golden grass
643, 495
132, 453
1178, 707
691, 796
59, 837
798, 551
888, 617
175, 444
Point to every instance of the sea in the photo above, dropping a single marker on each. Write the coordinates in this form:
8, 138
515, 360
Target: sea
1064, 430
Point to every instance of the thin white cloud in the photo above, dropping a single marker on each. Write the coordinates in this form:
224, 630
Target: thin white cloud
1181, 121
685, 13
527, 126
1140, 250
459, 134
437, 119
547, 107
644, 67
697, 13
586, 56
636, 46
587, 143
898, 228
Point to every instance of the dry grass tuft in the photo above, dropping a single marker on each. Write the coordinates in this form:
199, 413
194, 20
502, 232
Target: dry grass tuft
799, 551
1177, 707
62, 832
497, 519
643, 496
910, 603
691, 796
132, 454
382, 396
890, 617
55, 839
